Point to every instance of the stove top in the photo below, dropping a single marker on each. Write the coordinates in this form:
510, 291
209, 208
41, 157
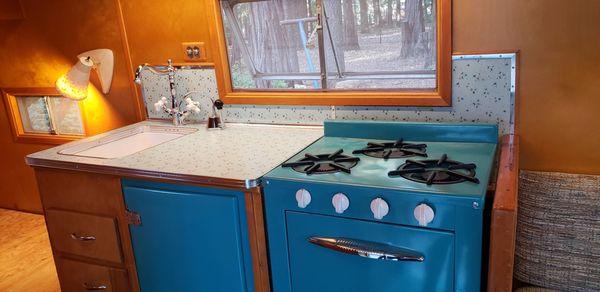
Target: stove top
397, 149
432, 158
324, 163
436, 171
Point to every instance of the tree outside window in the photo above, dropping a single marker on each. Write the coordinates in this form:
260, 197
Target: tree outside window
331, 44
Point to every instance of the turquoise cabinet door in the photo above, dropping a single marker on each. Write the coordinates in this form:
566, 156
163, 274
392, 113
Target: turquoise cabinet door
190, 238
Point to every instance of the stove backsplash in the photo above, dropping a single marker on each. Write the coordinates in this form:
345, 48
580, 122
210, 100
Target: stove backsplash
482, 92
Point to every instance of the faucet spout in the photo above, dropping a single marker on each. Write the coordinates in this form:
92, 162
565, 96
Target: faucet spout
154, 69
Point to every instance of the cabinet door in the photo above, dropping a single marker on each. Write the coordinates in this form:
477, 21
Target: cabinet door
190, 238
314, 267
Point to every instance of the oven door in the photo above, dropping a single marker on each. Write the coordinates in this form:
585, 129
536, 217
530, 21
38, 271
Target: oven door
329, 253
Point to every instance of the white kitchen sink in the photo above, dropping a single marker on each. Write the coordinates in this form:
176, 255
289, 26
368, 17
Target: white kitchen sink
127, 142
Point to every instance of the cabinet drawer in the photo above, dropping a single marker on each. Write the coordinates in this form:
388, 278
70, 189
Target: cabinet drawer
78, 191
84, 235
79, 276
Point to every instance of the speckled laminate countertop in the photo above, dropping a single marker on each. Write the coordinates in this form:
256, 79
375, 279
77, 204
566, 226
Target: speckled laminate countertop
236, 156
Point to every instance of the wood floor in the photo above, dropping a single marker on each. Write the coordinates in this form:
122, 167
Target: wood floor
26, 262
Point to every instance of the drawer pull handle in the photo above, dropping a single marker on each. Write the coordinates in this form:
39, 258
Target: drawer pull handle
367, 249
83, 237
93, 287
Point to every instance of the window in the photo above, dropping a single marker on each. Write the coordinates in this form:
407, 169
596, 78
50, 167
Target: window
41, 115
337, 51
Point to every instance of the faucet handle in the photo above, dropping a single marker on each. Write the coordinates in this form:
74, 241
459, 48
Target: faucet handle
160, 104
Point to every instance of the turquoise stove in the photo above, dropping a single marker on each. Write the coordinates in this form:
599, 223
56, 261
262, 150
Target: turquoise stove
381, 206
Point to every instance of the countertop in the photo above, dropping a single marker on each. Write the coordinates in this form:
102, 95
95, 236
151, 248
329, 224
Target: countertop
236, 156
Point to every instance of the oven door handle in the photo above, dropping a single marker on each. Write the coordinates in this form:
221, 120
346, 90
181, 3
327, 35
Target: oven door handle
367, 249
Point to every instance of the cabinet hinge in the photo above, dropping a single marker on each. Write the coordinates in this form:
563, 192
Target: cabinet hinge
133, 218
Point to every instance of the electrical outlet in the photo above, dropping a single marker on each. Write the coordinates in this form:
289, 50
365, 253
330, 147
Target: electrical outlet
194, 51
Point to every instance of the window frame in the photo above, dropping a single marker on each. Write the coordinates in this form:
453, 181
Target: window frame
10, 96
439, 96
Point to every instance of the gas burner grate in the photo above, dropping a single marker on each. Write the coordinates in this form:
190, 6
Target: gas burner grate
441, 171
324, 163
397, 149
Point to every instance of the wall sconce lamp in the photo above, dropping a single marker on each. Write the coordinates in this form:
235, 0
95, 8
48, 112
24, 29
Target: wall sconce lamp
74, 84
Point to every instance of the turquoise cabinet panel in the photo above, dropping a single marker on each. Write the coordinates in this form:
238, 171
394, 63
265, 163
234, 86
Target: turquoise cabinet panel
315, 268
190, 238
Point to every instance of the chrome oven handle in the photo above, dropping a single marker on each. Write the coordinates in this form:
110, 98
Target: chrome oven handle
367, 249
83, 237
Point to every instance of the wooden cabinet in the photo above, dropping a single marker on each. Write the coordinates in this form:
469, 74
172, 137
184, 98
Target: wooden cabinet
191, 237
503, 229
195, 238
88, 230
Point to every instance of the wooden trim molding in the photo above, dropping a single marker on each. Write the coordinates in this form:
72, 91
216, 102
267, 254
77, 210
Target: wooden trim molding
258, 241
136, 90
503, 231
440, 96
15, 120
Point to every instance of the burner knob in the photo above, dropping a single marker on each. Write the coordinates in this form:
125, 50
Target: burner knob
380, 208
303, 198
340, 203
424, 214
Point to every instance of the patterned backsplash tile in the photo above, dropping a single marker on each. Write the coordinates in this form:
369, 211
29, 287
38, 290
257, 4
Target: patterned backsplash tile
482, 92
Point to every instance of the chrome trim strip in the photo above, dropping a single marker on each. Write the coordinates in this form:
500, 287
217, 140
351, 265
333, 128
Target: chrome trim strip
485, 56
252, 183
185, 67
136, 173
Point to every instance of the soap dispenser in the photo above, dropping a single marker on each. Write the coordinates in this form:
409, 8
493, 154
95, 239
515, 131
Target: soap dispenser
215, 119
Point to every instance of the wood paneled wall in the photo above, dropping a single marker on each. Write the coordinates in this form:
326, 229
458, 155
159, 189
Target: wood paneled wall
35, 51
10, 9
559, 67
559, 92
155, 29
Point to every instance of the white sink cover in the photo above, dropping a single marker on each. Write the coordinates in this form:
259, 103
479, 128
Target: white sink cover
127, 142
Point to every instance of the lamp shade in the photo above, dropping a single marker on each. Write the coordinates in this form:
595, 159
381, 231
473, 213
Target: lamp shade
74, 84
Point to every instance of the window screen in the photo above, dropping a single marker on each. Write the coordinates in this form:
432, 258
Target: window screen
331, 44
50, 115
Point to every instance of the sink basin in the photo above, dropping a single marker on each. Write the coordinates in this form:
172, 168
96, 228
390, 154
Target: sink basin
127, 142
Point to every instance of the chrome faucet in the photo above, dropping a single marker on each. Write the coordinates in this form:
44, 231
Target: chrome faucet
175, 110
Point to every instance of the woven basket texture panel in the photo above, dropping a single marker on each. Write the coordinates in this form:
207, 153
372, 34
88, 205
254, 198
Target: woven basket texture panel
535, 289
558, 231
